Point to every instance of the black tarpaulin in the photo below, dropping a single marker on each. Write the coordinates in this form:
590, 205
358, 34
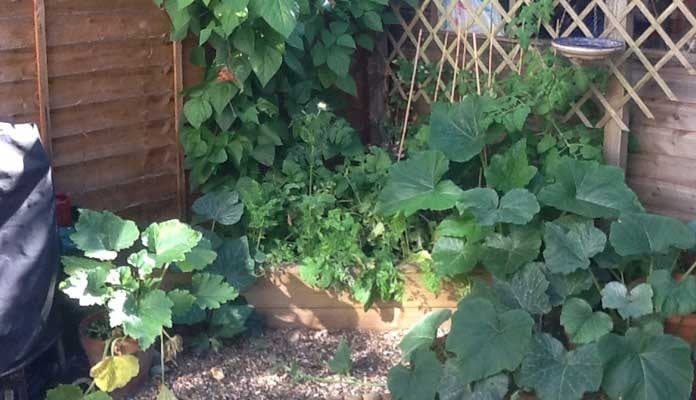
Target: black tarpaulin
28, 243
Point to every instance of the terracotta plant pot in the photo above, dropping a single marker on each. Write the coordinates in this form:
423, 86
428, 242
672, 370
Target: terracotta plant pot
94, 349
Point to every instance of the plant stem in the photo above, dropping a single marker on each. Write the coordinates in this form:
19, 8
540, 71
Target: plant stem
212, 226
596, 282
162, 355
689, 271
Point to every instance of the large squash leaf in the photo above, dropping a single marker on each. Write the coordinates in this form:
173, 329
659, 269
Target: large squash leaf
415, 184
630, 304
199, 257
563, 286
454, 256
169, 241
555, 374
423, 334
101, 234
459, 129
643, 366
486, 342
671, 297
143, 318
420, 382
504, 255
115, 372
517, 207
637, 234
525, 290
236, 264
582, 324
570, 246
210, 291
222, 207
451, 387
589, 189
510, 170
88, 285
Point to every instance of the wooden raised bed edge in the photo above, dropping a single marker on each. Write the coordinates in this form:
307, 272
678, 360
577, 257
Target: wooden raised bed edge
284, 300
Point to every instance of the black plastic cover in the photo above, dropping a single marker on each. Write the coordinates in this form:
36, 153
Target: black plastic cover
29, 249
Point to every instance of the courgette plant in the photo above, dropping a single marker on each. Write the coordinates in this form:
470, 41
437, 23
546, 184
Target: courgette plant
123, 277
558, 314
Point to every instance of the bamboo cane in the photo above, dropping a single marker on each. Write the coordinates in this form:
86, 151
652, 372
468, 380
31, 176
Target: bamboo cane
456, 63
445, 53
476, 65
410, 96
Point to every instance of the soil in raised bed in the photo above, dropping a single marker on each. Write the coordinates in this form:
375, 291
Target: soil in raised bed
284, 364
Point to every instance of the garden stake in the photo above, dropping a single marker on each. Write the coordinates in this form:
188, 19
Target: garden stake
490, 57
456, 63
410, 96
476, 66
466, 45
445, 53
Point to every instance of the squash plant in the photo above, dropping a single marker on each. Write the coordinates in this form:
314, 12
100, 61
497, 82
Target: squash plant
558, 315
124, 279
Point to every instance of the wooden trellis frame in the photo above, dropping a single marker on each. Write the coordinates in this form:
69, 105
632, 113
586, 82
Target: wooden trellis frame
432, 15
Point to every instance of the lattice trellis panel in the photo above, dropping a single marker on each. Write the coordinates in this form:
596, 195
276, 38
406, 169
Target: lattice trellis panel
494, 50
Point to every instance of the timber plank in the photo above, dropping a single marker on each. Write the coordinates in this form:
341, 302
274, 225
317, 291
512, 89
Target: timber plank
661, 168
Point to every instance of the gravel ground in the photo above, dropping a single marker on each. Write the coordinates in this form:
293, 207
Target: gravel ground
287, 365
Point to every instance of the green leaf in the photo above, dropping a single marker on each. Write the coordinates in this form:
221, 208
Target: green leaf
102, 234
165, 393
415, 184
244, 39
169, 241
630, 304
373, 21
641, 366
346, 41
220, 94
73, 265
64, 392
645, 234
491, 388
525, 290
589, 189
145, 262
197, 110
496, 341
183, 300
510, 170
88, 285
210, 291
230, 320
341, 362
199, 257
582, 324
517, 207
459, 129
563, 286
180, 19
230, 14
569, 246
222, 207
281, 15
265, 61
672, 297
504, 255
143, 318
423, 333
419, 382
462, 227
555, 374
338, 61
235, 263
454, 256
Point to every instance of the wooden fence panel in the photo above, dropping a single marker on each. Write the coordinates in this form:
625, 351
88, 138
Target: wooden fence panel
105, 70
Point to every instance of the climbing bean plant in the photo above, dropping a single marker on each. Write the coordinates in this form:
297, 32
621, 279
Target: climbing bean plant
264, 61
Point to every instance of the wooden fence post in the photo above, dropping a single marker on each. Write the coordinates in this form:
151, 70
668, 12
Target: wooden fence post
42, 75
615, 138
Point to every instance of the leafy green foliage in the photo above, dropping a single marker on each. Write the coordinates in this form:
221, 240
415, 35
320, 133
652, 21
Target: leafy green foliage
569, 246
74, 392
223, 207
672, 297
211, 292
493, 388
633, 303
517, 207
556, 374
497, 341
416, 184
510, 170
454, 256
102, 235
170, 241
418, 382
459, 130
143, 317
582, 324
526, 290
423, 334
643, 366
644, 234
341, 362
504, 255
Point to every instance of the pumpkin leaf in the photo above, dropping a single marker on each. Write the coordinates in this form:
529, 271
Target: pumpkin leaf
423, 333
497, 341
569, 247
142, 319
504, 255
556, 374
636, 234
170, 241
341, 362
418, 382
517, 207
102, 234
415, 184
210, 291
582, 324
451, 388
510, 170
222, 207
459, 129
672, 297
645, 366
589, 189
525, 290
235, 263
630, 304
114, 372
454, 256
